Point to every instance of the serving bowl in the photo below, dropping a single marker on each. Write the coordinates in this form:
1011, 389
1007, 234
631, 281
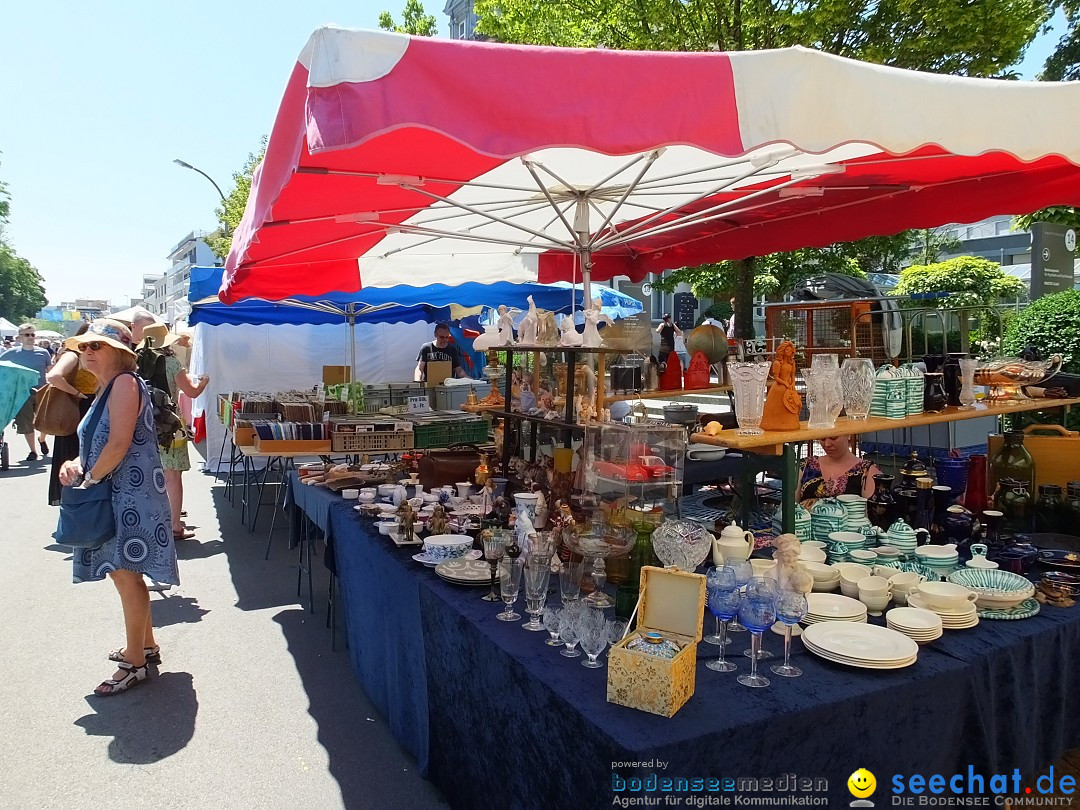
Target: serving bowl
996, 588
447, 546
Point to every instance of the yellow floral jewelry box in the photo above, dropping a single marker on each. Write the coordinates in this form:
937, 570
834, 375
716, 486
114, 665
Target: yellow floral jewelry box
672, 602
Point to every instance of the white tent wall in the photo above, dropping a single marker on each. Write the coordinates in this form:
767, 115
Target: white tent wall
284, 357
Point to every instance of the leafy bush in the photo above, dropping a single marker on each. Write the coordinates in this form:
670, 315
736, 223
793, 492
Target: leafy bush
969, 280
1051, 325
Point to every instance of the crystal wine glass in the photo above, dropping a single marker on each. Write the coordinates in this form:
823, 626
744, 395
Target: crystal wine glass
570, 582
509, 586
857, 379
536, 583
568, 632
551, 624
493, 552
719, 577
723, 603
744, 572
790, 609
593, 641
757, 612
761, 586
616, 629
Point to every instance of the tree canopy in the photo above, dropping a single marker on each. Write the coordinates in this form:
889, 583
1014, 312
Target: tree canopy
969, 280
414, 20
22, 290
232, 210
1063, 65
975, 38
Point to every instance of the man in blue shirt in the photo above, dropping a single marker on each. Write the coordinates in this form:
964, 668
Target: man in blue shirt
29, 356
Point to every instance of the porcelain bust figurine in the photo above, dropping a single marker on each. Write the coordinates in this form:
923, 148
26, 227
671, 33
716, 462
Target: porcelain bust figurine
783, 403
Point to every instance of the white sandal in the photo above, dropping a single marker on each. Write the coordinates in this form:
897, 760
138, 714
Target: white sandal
114, 686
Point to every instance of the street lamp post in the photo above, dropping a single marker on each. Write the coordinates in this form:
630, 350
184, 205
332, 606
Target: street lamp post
186, 165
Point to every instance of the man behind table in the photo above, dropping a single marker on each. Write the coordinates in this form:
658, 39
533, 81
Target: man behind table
29, 356
439, 349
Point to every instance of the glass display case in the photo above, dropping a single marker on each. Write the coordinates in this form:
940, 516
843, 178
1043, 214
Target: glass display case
632, 471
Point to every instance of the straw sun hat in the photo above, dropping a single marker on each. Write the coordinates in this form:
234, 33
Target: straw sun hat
160, 335
103, 330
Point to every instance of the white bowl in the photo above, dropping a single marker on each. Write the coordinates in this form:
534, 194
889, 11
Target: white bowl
762, 566
946, 595
350, 494
366, 497
386, 490
447, 546
995, 588
851, 573
815, 555
386, 526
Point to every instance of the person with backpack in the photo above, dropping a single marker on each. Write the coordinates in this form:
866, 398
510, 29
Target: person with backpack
166, 375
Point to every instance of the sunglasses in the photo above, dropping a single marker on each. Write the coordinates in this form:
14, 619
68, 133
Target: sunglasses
26, 334
94, 345
442, 337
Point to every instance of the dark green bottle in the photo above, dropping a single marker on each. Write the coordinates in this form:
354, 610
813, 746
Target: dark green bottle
1013, 461
641, 554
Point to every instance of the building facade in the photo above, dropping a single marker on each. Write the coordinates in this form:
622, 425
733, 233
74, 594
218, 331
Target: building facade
462, 19
166, 295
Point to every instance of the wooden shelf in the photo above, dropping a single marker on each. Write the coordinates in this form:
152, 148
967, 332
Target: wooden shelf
673, 394
774, 439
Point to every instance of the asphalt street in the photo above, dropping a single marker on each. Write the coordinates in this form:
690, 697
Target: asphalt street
249, 708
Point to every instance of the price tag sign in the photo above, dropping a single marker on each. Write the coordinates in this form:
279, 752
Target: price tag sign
419, 405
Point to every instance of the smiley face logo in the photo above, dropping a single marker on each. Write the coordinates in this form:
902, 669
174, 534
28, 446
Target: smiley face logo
861, 783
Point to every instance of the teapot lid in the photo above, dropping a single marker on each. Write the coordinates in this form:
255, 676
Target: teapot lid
732, 530
900, 527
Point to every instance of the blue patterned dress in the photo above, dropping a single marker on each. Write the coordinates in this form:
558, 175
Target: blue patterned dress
144, 541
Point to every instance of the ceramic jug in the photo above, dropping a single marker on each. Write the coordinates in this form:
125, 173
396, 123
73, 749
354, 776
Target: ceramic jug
732, 544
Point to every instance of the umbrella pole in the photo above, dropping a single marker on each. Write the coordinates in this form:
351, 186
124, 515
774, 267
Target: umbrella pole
352, 347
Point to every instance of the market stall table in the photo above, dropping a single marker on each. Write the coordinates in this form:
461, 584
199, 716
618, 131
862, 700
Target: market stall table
489, 711
780, 442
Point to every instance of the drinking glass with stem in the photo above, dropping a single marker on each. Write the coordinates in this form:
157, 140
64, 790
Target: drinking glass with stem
551, 624
719, 577
762, 585
593, 640
616, 629
568, 632
509, 587
744, 572
790, 609
537, 573
723, 601
493, 552
757, 612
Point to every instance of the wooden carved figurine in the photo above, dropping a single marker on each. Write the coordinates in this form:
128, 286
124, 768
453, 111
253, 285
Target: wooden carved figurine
783, 404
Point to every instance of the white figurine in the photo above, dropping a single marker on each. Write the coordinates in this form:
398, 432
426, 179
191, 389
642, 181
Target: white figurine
570, 335
541, 509
506, 327
528, 326
594, 316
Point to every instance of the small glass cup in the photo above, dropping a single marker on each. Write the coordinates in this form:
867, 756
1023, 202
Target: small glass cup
616, 629
551, 624
593, 641
568, 632
570, 582
790, 609
744, 572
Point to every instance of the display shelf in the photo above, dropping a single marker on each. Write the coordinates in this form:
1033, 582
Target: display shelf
844, 426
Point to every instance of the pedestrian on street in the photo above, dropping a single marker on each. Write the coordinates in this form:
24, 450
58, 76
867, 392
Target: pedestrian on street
83, 387
29, 356
122, 455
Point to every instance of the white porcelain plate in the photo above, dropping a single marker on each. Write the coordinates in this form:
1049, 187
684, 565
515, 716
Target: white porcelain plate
916, 600
867, 643
914, 619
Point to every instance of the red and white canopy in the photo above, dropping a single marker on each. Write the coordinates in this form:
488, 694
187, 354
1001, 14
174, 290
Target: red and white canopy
401, 160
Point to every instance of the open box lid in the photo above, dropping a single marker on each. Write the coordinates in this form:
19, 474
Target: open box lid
671, 601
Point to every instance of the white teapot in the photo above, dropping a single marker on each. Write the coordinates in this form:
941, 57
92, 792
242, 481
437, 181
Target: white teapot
732, 544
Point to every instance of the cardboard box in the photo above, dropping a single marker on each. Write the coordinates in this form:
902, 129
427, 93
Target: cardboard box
437, 371
673, 603
1055, 450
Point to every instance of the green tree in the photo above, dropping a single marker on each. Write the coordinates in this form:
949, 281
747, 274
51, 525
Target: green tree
1059, 214
231, 211
968, 280
976, 38
22, 290
1063, 65
414, 20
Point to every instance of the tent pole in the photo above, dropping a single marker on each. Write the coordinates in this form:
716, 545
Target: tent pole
352, 345
582, 233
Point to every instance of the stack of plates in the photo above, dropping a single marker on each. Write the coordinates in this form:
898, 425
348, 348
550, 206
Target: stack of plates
431, 562
465, 572
960, 618
831, 607
921, 626
860, 645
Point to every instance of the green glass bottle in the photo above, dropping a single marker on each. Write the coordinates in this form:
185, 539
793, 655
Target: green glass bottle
1013, 461
641, 554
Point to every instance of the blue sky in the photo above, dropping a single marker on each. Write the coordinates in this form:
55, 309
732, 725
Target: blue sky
99, 98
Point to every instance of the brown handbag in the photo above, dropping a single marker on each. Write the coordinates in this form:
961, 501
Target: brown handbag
56, 412
441, 467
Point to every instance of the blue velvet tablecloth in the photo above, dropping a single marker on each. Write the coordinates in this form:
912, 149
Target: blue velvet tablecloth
497, 718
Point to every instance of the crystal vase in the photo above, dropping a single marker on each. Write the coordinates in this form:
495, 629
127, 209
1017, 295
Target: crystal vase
823, 396
857, 377
748, 380
967, 381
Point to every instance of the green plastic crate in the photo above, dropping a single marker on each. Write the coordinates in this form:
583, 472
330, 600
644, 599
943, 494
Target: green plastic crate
443, 434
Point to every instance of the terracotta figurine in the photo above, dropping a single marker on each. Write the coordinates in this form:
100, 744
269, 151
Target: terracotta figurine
783, 403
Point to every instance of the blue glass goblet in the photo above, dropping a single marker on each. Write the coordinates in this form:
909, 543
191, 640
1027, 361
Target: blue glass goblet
724, 605
790, 609
757, 613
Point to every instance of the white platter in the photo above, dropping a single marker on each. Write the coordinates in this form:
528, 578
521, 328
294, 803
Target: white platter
914, 619
821, 605
861, 643
465, 572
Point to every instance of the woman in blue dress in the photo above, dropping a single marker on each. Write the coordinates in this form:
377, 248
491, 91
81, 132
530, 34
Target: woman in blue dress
122, 454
